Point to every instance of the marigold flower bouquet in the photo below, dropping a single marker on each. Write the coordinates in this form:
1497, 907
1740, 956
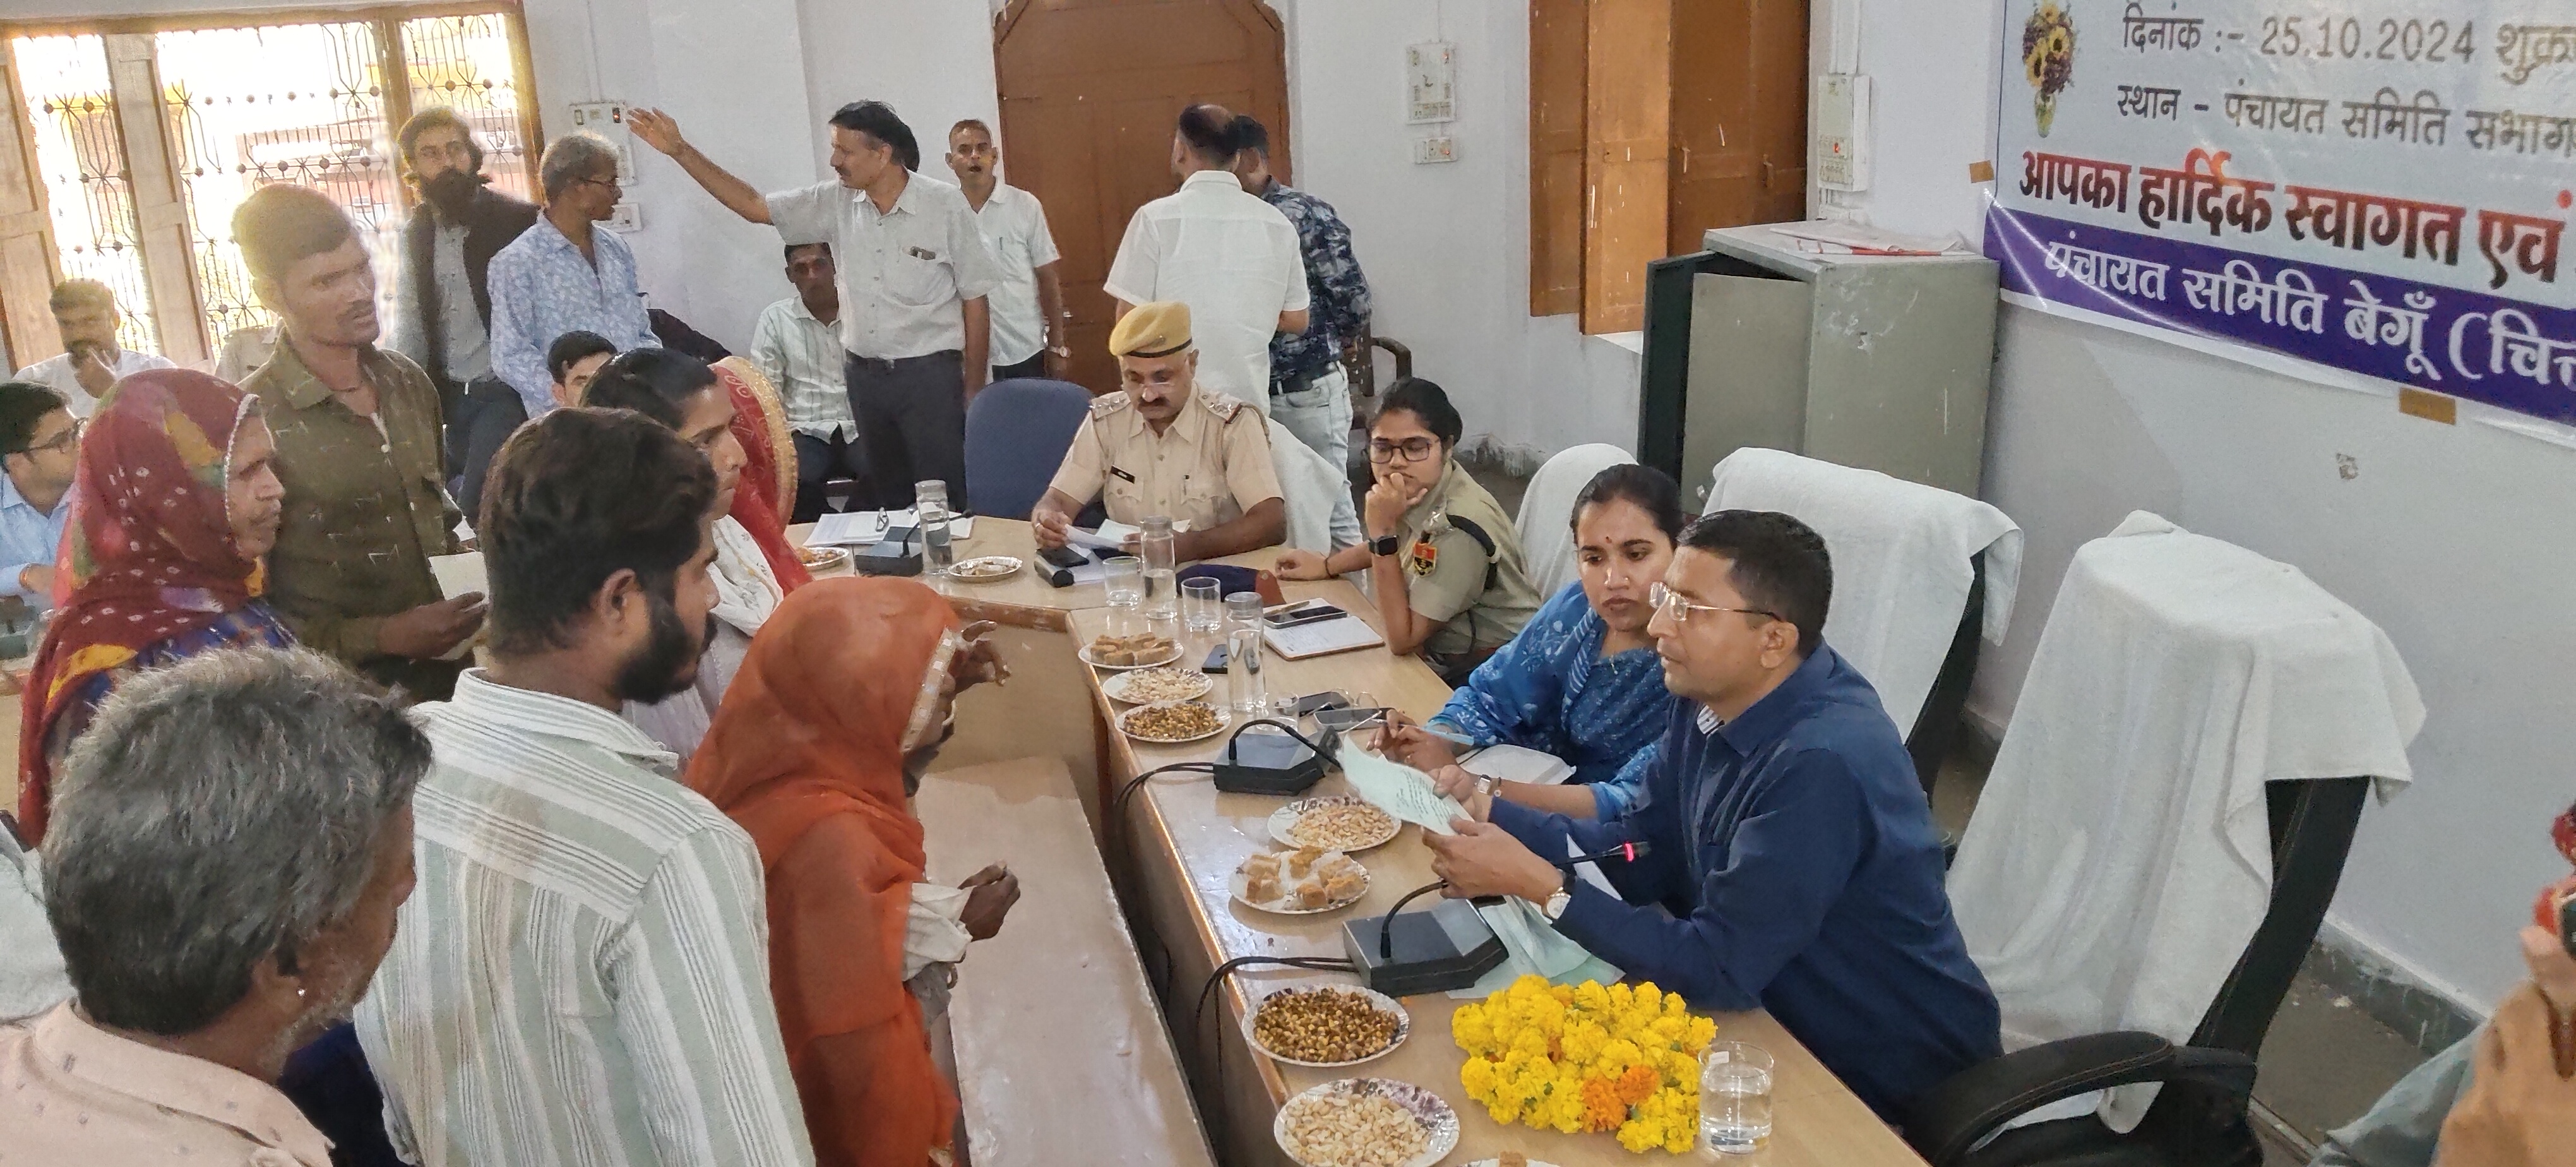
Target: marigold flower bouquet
1584, 1058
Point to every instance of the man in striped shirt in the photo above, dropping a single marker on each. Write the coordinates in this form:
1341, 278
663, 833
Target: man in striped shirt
581, 976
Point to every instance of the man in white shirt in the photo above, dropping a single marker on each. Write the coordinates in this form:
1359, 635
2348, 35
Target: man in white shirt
85, 312
1028, 305
797, 345
1234, 259
914, 276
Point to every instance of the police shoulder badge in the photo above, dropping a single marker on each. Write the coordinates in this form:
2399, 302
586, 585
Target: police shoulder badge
1425, 557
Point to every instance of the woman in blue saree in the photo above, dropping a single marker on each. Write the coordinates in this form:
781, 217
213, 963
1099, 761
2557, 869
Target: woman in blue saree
1581, 681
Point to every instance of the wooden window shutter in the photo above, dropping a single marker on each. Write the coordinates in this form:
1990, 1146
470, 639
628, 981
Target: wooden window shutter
27, 265
1627, 141
1558, 34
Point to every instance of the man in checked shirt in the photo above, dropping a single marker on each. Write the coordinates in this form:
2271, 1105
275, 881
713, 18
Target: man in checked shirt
1309, 392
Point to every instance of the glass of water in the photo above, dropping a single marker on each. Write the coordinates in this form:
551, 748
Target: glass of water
1125, 582
930, 508
1734, 1098
1202, 607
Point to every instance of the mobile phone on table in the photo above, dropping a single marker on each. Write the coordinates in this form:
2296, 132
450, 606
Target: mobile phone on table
1064, 557
1314, 703
1215, 660
1302, 612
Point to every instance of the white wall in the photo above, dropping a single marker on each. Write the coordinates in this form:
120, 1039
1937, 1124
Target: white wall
1446, 247
2455, 539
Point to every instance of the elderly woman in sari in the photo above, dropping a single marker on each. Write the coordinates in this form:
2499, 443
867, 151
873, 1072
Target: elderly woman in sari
173, 504
754, 568
229, 850
1581, 681
841, 704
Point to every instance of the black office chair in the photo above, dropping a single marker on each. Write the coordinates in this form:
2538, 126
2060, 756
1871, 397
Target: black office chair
1936, 728
2199, 1118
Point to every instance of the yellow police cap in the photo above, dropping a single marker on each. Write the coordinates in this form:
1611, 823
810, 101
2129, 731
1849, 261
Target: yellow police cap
1158, 329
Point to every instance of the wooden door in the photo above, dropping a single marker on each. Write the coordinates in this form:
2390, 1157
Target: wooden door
1739, 116
1090, 89
1628, 148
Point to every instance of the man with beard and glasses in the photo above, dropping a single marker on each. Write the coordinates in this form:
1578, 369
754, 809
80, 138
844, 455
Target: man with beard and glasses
357, 432
443, 306
582, 974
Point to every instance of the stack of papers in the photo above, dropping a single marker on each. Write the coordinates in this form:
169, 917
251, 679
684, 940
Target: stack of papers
861, 528
1111, 537
1321, 638
1518, 764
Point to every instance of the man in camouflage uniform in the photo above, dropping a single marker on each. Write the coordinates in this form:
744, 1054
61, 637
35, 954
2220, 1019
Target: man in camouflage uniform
1166, 447
1309, 392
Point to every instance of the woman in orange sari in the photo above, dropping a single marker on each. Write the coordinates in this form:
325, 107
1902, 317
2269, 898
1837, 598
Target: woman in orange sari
842, 701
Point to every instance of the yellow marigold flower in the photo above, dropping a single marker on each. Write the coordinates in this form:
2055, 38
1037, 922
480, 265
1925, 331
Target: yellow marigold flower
1621, 996
1642, 1135
1530, 1041
1650, 997
1703, 1030
1590, 996
1674, 1006
1478, 1077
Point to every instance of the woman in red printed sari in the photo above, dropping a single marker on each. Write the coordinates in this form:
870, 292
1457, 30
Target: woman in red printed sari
173, 504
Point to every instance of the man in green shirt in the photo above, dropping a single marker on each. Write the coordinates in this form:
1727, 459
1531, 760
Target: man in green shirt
359, 452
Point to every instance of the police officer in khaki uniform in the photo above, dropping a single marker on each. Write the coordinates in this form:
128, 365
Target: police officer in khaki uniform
1443, 559
1166, 447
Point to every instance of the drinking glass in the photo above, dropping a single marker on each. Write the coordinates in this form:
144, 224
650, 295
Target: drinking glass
1125, 581
930, 507
1734, 1098
1243, 610
1201, 606
1157, 546
1244, 687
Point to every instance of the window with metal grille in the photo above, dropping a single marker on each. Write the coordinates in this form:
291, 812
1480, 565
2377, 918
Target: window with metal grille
131, 141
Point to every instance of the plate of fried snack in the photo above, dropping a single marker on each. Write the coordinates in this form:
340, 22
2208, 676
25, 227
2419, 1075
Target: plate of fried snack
1172, 722
1366, 1122
984, 569
1146, 686
1300, 882
1142, 650
1333, 822
1327, 1027
823, 559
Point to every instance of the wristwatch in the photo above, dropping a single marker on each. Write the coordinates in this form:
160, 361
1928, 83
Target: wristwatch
1554, 908
1385, 544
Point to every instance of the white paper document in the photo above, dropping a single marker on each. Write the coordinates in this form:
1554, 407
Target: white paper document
1398, 789
459, 575
1519, 764
861, 528
1111, 537
1323, 637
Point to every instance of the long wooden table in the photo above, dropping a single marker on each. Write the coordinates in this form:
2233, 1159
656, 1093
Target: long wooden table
1045, 706
1181, 840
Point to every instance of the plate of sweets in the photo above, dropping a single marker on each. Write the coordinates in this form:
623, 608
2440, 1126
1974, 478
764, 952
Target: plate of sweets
1302, 882
1142, 650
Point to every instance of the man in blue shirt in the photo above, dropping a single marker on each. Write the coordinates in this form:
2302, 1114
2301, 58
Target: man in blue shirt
39, 446
1793, 864
565, 273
